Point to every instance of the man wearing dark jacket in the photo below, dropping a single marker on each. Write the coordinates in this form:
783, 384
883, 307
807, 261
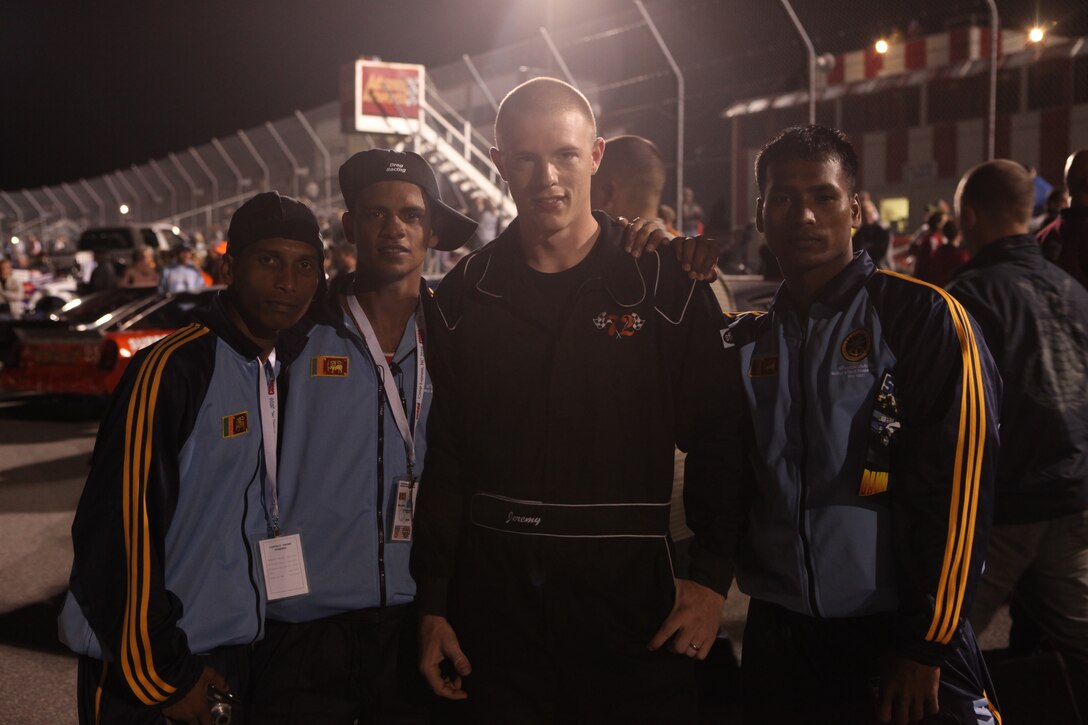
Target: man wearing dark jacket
1035, 320
1065, 240
564, 372
167, 591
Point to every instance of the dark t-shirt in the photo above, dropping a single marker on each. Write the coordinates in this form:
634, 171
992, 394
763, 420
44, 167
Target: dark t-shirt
555, 291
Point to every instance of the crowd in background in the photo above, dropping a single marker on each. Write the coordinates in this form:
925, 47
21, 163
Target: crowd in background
933, 252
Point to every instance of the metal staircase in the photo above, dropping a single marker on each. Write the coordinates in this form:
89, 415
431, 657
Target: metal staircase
459, 153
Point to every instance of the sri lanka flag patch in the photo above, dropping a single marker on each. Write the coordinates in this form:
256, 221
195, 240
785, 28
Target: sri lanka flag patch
235, 424
328, 366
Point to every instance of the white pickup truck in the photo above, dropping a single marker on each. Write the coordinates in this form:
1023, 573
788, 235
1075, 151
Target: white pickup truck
122, 242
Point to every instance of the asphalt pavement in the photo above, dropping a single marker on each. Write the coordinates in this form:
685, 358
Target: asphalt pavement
44, 451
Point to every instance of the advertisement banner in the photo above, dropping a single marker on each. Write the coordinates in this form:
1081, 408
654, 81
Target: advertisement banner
388, 97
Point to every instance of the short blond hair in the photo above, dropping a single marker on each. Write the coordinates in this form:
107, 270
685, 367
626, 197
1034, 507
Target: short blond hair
541, 95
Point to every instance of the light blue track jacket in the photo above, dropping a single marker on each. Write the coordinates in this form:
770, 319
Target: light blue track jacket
341, 458
874, 444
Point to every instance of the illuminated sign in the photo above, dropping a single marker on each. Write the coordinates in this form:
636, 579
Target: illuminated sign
386, 97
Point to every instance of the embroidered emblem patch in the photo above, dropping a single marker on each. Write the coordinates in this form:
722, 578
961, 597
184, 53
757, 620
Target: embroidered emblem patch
763, 367
727, 337
883, 425
236, 424
857, 345
619, 326
328, 366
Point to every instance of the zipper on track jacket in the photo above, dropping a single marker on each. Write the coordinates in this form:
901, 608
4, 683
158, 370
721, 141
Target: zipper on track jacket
806, 545
381, 487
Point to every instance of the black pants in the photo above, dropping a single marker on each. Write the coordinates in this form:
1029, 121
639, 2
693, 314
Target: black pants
357, 666
582, 687
557, 632
103, 698
800, 669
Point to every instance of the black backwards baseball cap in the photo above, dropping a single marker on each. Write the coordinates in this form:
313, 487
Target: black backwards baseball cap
270, 215
369, 167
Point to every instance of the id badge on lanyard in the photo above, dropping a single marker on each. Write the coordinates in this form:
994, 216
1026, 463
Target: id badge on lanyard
281, 556
406, 490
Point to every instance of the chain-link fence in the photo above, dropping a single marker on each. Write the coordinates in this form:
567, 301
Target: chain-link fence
195, 189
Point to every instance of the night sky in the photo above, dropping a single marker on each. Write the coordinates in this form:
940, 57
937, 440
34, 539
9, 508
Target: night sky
89, 87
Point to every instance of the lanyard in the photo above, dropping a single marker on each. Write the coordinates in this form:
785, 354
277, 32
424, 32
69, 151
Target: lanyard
392, 393
267, 395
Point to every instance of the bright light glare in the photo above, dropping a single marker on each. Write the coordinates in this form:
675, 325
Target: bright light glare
125, 352
72, 305
103, 319
176, 230
124, 209
15, 240
1036, 34
882, 46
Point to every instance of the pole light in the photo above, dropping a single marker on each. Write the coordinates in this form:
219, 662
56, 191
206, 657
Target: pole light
680, 105
811, 59
991, 113
1036, 34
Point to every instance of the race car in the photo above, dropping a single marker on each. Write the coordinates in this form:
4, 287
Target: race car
84, 348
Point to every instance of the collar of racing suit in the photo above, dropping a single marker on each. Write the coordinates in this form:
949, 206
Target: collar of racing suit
612, 266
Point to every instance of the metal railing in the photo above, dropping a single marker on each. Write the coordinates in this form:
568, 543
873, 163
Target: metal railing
194, 188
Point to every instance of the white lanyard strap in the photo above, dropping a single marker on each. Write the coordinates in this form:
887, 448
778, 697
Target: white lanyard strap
392, 393
267, 396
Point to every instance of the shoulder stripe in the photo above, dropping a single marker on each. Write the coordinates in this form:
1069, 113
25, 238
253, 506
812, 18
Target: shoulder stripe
976, 437
971, 434
136, 653
990, 705
967, 473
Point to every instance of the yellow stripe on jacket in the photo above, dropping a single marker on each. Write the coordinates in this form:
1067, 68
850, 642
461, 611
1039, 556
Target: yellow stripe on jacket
967, 473
136, 653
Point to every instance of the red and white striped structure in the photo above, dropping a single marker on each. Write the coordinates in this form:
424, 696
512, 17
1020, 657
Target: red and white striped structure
916, 114
931, 51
